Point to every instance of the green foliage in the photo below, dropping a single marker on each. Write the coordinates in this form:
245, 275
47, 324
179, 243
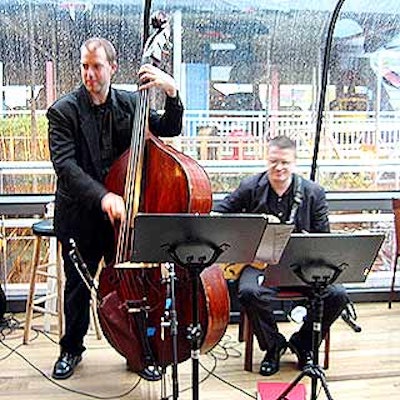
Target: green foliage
349, 181
24, 138
226, 183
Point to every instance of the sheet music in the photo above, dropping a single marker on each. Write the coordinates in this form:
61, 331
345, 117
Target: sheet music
273, 242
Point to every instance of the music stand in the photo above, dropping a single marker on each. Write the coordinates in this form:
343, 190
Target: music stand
354, 249
320, 270
195, 242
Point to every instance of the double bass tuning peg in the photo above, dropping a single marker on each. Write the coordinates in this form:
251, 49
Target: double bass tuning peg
166, 51
159, 19
158, 43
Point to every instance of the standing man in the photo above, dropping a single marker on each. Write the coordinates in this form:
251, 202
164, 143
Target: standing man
3, 304
89, 129
280, 192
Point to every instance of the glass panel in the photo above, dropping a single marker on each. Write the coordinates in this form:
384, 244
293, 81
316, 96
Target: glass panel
360, 130
247, 71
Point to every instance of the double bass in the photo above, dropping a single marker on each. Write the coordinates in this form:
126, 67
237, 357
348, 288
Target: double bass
156, 178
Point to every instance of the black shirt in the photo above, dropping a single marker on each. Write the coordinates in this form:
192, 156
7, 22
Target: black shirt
103, 115
281, 206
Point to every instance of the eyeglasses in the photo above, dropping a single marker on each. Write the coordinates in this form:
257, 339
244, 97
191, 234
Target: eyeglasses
276, 163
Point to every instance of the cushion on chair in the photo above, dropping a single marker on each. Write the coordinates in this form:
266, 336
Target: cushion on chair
44, 227
290, 295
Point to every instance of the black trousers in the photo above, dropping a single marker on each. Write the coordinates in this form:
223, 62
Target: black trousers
96, 242
256, 298
3, 303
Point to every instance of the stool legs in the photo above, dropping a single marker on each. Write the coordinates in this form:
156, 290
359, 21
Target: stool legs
392, 286
246, 335
33, 304
51, 270
31, 294
327, 340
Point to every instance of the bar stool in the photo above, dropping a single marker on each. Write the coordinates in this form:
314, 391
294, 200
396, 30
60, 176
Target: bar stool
52, 270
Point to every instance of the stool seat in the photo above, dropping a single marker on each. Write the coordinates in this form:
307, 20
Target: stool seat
45, 227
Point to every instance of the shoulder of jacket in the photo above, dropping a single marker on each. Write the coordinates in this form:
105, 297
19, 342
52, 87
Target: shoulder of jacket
309, 184
123, 96
261, 177
68, 99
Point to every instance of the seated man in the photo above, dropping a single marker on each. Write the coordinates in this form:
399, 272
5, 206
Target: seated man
293, 199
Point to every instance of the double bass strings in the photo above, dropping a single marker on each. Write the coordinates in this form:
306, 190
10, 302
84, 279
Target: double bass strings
133, 179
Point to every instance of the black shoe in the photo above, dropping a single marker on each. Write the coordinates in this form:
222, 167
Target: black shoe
304, 357
150, 373
270, 363
65, 365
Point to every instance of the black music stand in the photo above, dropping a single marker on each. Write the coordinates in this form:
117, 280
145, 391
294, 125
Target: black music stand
355, 249
319, 269
196, 242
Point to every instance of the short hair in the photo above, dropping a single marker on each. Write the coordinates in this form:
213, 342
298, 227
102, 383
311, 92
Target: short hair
95, 42
282, 142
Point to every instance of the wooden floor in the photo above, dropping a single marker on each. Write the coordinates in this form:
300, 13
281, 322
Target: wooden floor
364, 366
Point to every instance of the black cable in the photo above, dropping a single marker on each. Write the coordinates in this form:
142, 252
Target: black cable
212, 373
79, 392
324, 83
228, 349
46, 334
8, 325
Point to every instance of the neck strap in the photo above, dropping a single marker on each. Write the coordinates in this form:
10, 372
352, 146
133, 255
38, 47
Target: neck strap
297, 199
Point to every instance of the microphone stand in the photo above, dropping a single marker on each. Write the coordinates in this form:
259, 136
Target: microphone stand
170, 320
82, 267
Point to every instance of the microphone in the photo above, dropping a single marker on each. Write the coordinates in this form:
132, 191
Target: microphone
81, 266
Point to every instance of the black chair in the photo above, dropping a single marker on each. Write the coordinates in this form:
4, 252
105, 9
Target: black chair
246, 333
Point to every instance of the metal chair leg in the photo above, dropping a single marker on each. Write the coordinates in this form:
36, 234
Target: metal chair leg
392, 291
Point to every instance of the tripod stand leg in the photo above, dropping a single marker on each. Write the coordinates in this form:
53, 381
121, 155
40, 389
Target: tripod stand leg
195, 374
195, 334
170, 320
325, 386
315, 373
174, 333
283, 395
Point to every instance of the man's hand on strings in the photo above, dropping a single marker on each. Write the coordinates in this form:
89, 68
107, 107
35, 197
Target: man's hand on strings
114, 206
151, 76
